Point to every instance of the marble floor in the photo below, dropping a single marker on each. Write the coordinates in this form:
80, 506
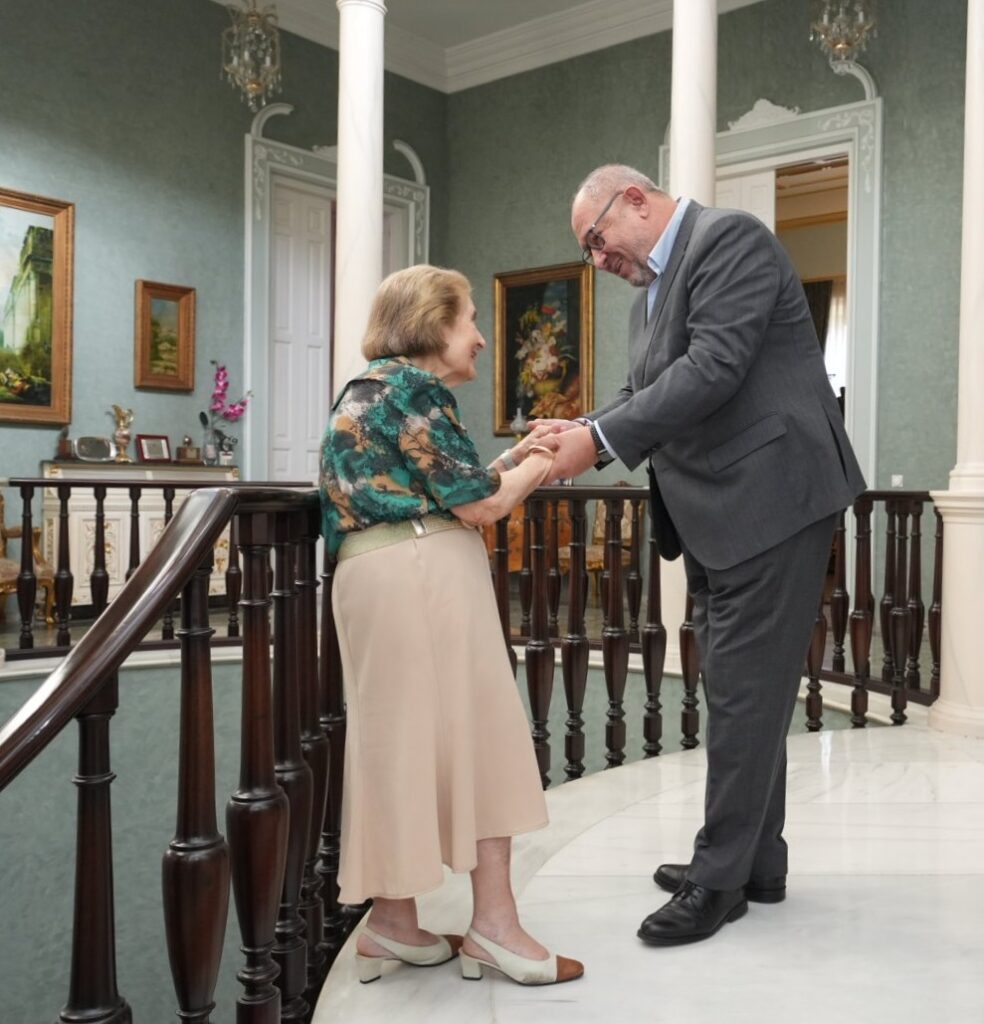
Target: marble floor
883, 924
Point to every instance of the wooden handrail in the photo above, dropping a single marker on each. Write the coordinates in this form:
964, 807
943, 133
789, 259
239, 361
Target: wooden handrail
145, 597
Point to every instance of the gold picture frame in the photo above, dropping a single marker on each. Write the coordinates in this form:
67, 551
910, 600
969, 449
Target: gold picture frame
37, 253
543, 344
164, 338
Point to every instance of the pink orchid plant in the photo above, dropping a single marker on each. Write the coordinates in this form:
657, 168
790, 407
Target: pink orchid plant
219, 407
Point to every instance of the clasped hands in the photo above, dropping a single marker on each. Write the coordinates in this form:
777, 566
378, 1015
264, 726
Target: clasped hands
571, 443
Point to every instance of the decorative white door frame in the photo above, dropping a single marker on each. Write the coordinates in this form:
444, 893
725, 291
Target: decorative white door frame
266, 160
770, 136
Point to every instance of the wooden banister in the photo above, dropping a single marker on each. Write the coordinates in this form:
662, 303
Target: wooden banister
104, 648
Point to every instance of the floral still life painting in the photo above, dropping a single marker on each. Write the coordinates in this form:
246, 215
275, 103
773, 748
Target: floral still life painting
543, 345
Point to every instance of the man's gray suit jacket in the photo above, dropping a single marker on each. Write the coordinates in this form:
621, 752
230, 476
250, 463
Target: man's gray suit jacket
728, 397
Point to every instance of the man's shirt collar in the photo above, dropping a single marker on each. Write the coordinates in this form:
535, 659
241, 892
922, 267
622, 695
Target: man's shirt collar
659, 256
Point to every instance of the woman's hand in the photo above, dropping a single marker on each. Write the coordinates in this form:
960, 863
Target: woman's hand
543, 436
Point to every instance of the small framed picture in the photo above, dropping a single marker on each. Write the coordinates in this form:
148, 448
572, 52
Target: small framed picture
153, 448
164, 345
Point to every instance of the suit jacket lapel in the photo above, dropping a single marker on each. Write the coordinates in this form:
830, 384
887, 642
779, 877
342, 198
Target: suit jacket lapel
666, 282
638, 339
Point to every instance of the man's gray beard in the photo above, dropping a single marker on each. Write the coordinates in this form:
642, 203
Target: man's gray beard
645, 277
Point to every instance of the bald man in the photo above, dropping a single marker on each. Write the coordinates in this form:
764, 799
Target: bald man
728, 403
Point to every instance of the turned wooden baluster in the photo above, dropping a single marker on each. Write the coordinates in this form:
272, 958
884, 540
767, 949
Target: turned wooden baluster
840, 599
690, 670
314, 745
888, 596
553, 572
633, 578
64, 580
526, 575
233, 580
332, 718
256, 815
167, 624
899, 620
99, 577
814, 664
861, 616
292, 771
539, 649
936, 607
27, 583
653, 656
917, 610
574, 646
134, 530
500, 577
195, 868
615, 638
92, 996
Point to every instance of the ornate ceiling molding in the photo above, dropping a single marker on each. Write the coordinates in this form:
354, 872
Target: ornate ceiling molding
594, 25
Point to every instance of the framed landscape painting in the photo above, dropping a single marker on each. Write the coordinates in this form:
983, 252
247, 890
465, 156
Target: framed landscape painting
544, 344
36, 263
164, 346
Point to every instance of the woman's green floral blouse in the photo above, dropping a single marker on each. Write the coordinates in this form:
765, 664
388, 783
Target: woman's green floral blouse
394, 449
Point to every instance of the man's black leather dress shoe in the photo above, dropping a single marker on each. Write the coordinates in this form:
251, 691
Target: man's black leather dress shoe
693, 913
758, 890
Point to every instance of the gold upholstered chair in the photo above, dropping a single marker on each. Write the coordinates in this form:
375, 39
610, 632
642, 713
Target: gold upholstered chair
594, 550
10, 569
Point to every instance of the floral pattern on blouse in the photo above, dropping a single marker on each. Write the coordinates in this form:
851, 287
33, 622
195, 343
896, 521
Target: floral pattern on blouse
394, 449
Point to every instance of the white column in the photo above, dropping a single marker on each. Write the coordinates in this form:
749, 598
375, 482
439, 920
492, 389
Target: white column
693, 127
359, 223
961, 705
693, 103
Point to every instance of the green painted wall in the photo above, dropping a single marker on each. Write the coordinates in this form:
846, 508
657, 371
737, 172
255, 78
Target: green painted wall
119, 107
519, 147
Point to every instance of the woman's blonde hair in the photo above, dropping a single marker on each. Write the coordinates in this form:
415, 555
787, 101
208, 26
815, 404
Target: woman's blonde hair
411, 310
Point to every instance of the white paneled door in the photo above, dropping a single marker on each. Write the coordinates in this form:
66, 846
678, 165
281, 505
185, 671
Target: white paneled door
753, 193
300, 328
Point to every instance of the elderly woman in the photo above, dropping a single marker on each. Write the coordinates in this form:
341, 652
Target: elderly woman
439, 763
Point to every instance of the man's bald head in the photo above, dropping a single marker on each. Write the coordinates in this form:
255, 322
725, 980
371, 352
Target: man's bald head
617, 216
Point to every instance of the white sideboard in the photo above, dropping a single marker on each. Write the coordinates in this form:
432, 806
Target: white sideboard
82, 517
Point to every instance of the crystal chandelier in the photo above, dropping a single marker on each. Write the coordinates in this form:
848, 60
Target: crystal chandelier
251, 52
842, 27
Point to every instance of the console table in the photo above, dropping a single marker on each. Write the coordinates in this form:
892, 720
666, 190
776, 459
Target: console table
117, 507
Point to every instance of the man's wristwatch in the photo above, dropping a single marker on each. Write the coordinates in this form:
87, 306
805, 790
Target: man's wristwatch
604, 455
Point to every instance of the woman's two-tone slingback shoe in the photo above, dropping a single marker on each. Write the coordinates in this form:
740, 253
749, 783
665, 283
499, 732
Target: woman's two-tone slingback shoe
520, 969
370, 967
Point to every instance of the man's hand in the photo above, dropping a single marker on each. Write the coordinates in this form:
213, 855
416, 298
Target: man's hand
575, 452
553, 426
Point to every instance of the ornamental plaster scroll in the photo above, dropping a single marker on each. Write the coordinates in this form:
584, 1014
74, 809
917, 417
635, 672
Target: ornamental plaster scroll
263, 155
416, 195
864, 122
413, 159
264, 115
764, 112
858, 71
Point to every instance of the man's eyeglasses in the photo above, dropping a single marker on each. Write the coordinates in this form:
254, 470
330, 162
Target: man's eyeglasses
594, 241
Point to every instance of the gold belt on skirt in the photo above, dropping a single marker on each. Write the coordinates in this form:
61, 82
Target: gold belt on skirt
383, 534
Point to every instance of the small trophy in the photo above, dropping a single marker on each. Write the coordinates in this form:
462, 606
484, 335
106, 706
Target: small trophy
124, 418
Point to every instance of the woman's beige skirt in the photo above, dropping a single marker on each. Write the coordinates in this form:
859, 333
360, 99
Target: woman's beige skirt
438, 751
